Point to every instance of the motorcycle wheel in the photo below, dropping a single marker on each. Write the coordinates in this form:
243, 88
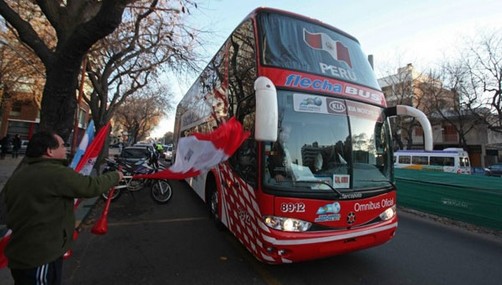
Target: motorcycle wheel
162, 191
135, 185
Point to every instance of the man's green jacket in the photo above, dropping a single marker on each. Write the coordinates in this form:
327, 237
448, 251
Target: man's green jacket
39, 197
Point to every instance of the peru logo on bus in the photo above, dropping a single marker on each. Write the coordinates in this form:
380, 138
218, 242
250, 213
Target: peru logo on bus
321, 41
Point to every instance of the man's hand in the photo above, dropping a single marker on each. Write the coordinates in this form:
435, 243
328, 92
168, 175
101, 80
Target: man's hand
121, 175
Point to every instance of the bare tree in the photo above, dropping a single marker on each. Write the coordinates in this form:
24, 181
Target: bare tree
447, 100
21, 77
22, 74
483, 80
402, 88
152, 38
78, 24
141, 112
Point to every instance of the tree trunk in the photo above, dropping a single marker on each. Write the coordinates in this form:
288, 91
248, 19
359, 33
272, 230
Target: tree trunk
59, 101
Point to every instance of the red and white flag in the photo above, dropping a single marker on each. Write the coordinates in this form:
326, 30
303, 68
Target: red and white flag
3, 243
92, 152
200, 152
86, 163
323, 42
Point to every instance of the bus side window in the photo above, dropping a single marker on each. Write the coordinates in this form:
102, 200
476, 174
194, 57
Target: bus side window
244, 161
449, 161
404, 159
436, 160
423, 160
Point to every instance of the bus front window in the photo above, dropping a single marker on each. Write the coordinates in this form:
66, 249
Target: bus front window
319, 150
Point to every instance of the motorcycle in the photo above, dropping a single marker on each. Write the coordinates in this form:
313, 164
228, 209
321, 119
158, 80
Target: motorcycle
161, 190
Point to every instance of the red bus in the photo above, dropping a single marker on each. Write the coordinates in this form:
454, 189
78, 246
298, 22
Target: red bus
315, 177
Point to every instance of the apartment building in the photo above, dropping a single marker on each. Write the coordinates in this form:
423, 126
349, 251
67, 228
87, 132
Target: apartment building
20, 113
409, 87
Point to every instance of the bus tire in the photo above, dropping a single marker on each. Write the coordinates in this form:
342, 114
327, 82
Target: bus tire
212, 200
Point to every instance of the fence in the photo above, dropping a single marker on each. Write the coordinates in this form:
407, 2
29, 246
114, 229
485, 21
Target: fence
468, 198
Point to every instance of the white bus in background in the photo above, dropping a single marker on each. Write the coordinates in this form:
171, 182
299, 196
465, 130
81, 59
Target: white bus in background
454, 160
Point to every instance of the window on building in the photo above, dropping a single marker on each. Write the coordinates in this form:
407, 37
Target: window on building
16, 108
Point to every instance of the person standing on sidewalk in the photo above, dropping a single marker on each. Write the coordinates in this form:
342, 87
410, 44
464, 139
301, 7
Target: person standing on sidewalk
39, 197
16, 146
5, 144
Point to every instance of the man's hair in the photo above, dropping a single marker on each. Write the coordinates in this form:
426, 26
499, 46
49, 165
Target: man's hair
40, 142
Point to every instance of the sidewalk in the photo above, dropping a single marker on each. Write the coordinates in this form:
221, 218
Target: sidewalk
7, 167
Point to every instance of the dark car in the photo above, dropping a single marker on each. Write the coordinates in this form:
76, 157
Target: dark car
478, 171
134, 154
494, 170
149, 147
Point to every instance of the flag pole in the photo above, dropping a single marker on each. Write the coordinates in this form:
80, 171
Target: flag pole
79, 100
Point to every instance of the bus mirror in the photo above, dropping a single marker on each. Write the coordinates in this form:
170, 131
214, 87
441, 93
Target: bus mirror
420, 116
266, 110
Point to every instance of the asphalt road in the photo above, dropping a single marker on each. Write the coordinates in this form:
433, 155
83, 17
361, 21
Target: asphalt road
176, 243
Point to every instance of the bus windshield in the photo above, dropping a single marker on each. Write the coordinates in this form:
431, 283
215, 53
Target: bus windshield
328, 143
290, 43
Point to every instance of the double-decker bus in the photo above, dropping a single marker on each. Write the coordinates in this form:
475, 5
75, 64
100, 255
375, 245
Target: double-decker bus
453, 160
315, 177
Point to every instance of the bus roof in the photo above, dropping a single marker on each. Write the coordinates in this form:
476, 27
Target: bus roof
298, 16
419, 151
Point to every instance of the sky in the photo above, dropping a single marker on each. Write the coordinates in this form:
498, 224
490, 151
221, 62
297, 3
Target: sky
395, 32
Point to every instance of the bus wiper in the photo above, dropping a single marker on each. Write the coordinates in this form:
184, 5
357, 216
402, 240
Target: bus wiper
378, 180
322, 182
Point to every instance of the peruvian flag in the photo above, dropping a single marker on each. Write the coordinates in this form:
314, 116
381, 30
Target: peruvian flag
200, 152
323, 42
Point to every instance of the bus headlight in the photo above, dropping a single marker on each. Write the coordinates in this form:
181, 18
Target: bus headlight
388, 214
287, 224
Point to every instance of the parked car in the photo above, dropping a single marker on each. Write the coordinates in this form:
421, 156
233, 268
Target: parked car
494, 170
478, 171
24, 145
168, 152
134, 153
149, 147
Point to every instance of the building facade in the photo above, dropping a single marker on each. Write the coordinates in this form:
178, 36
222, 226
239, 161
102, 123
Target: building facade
409, 87
20, 114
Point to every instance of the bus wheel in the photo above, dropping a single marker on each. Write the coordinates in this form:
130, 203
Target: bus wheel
213, 208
